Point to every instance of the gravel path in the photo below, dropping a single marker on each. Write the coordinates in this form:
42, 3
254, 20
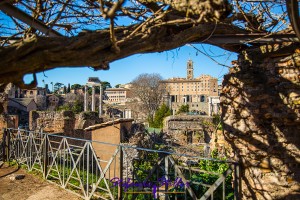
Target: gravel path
30, 187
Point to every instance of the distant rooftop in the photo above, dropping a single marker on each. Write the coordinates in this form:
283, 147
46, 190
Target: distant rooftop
109, 123
201, 77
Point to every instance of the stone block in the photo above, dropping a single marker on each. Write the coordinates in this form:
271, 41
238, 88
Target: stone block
14, 177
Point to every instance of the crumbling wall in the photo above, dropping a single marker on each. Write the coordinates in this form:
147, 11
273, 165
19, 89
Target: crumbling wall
63, 122
201, 127
86, 119
52, 121
260, 103
8, 121
181, 122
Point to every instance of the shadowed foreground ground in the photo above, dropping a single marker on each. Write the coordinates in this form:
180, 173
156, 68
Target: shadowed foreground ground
30, 188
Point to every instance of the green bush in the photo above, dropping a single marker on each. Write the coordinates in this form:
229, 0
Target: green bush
183, 109
160, 114
76, 107
213, 166
217, 122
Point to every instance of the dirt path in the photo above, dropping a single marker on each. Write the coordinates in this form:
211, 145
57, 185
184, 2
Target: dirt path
30, 188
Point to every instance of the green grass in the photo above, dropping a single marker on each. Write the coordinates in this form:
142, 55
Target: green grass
64, 173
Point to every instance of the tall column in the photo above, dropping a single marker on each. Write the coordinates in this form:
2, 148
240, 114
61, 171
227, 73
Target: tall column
93, 98
209, 106
170, 102
100, 101
85, 99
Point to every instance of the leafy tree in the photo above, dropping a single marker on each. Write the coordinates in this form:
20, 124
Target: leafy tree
76, 86
149, 91
183, 109
57, 86
77, 107
105, 85
97, 90
73, 102
118, 85
159, 116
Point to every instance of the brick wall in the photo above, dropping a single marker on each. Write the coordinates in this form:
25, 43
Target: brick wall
110, 134
260, 103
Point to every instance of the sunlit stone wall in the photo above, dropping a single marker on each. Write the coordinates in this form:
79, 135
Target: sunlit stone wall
261, 111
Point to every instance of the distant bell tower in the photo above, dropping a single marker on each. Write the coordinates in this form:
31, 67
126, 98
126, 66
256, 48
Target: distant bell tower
190, 70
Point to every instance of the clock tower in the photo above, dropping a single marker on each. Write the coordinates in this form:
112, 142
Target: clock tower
190, 70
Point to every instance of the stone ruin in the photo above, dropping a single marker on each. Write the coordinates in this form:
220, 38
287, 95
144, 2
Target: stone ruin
260, 103
190, 129
65, 122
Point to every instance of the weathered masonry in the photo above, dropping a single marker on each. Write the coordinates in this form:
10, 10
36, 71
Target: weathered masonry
261, 110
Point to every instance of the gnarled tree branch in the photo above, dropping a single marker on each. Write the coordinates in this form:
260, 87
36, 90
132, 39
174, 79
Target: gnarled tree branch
94, 48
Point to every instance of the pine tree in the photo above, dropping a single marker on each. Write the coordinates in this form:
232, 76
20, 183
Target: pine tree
69, 88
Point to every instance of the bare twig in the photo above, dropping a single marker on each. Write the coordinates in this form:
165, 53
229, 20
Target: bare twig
198, 50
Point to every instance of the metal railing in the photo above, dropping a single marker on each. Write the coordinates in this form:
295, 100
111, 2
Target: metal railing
119, 171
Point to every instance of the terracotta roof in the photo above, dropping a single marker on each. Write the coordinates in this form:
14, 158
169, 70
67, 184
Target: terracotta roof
109, 123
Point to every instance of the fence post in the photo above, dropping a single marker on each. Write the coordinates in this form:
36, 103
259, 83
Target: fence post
45, 156
4, 145
237, 186
166, 177
120, 189
239, 182
7, 145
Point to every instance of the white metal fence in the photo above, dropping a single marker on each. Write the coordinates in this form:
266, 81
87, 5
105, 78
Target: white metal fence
108, 171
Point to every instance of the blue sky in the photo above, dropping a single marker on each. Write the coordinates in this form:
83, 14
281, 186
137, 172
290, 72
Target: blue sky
168, 64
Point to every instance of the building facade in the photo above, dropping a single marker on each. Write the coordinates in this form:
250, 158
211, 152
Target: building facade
191, 91
14, 92
117, 95
33, 93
